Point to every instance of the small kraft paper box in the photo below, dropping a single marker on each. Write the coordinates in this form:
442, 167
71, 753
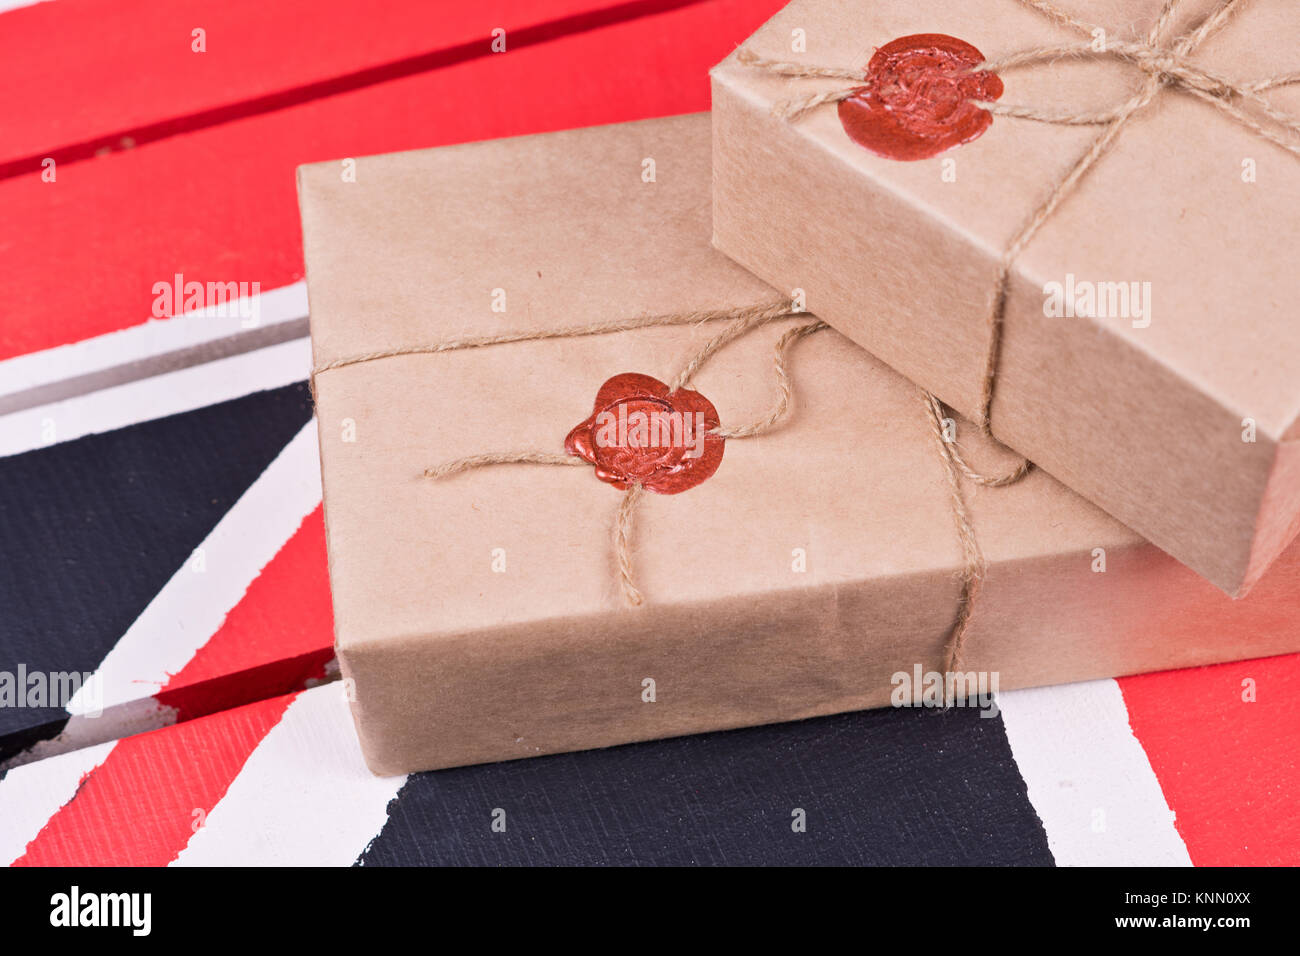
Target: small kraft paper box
1076, 224
488, 612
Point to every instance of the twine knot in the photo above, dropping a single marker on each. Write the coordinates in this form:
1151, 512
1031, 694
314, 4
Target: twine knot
1173, 71
1162, 62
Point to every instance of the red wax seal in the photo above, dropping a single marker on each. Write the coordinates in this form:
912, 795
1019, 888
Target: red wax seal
916, 101
640, 433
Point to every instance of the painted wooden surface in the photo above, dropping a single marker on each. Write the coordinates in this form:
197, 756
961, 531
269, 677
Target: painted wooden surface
218, 202
1057, 778
129, 74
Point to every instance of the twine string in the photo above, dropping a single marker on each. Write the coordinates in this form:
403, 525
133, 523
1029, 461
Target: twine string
562, 332
623, 544
781, 409
458, 465
746, 320
1061, 17
973, 564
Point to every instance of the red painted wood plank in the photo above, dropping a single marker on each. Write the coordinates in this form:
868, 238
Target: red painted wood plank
278, 638
1224, 742
79, 76
83, 253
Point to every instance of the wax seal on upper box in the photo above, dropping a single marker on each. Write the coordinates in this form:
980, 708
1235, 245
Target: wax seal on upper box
917, 99
642, 432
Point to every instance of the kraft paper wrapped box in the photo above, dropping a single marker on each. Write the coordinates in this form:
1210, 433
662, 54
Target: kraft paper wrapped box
479, 615
1149, 354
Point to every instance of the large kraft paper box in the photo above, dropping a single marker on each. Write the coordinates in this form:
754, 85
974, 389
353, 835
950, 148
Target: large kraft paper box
818, 561
1179, 414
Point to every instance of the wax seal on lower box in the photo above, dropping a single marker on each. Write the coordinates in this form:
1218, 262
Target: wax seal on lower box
917, 99
641, 432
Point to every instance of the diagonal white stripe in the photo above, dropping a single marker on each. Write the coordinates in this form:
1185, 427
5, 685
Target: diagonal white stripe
156, 397
1089, 778
6, 5
123, 720
152, 348
193, 604
303, 798
30, 795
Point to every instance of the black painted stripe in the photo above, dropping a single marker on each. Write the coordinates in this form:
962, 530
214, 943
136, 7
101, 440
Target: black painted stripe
91, 529
884, 787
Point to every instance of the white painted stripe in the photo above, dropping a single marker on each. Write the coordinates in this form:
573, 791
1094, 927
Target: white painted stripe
193, 604
156, 397
1089, 778
125, 720
304, 797
7, 5
154, 346
30, 795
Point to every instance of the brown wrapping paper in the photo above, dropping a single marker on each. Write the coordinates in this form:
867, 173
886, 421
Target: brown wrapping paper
1147, 422
455, 663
